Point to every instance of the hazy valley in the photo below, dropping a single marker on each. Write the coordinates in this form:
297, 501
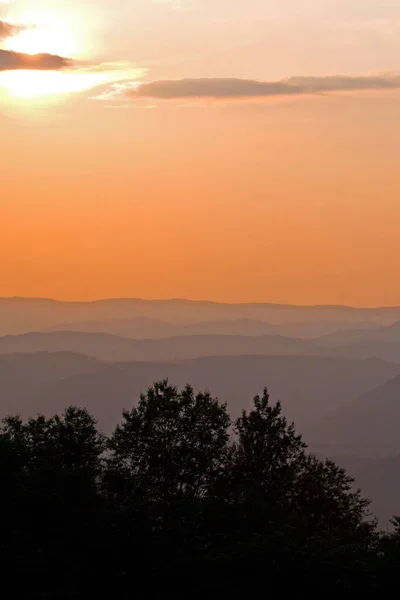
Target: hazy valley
335, 369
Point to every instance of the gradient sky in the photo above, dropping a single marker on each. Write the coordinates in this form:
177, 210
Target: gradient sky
210, 149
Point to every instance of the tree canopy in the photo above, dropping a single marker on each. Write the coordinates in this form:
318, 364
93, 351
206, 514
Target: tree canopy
181, 500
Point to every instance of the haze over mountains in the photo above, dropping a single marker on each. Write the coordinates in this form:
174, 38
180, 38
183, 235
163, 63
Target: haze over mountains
146, 327
309, 387
115, 348
18, 315
108, 346
367, 426
335, 369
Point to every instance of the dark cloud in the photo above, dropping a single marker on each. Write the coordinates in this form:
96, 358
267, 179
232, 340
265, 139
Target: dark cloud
213, 88
9, 29
13, 61
343, 83
243, 88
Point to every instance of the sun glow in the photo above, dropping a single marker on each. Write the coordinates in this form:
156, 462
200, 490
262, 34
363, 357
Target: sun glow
37, 84
33, 84
45, 33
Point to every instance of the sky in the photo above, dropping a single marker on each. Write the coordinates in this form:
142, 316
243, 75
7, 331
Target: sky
231, 150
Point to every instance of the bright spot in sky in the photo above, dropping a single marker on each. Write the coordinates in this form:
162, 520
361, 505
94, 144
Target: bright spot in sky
45, 33
35, 84
51, 33
32, 84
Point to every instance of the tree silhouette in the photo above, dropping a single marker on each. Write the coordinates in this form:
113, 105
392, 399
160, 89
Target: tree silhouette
268, 455
172, 446
178, 499
272, 465
289, 507
52, 497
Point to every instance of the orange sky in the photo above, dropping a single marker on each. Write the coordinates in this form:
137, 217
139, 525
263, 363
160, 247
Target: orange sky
285, 199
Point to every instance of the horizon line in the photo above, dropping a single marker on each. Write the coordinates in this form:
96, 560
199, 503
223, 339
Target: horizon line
192, 301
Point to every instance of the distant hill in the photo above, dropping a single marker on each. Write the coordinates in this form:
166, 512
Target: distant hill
364, 348
309, 387
344, 337
147, 328
382, 342
115, 348
24, 377
110, 347
364, 336
379, 481
388, 333
368, 426
19, 315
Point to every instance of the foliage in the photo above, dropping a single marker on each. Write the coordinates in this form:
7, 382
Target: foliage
180, 495
172, 446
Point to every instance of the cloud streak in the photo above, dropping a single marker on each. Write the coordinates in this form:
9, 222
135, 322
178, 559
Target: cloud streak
219, 88
212, 88
14, 61
346, 83
9, 29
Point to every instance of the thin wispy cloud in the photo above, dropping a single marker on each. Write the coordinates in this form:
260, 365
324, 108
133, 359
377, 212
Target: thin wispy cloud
231, 88
343, 83
10, 29
212, 88
118, 89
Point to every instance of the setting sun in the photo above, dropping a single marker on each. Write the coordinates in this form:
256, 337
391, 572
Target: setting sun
49, 35
46, 33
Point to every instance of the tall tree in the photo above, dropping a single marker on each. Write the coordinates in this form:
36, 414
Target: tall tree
271, 464
172, 446
292, 507
268, 453
165, 460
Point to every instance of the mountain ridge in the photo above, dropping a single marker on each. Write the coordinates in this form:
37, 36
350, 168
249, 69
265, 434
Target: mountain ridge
200, 302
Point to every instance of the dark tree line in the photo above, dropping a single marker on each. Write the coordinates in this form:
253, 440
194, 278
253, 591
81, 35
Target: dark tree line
174, 504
